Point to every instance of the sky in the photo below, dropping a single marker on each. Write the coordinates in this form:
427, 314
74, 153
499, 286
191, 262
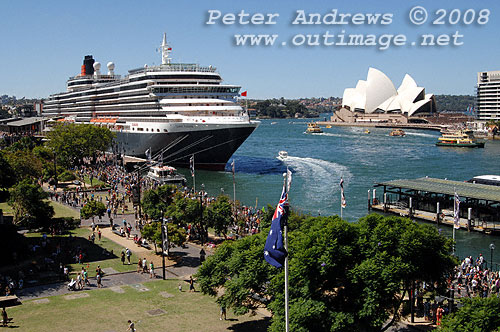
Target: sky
43, 43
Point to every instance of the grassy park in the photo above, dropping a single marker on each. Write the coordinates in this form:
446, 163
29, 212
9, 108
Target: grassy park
161, 307
60, 210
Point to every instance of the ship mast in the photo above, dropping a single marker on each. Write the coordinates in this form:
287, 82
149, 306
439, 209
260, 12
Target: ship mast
165, 51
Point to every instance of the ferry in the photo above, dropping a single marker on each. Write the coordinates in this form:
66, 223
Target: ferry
313, 128
397, 132
166, 175
282, 155
459, 138
172, 110
491, 180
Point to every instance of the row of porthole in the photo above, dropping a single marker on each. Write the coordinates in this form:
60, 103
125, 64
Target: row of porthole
152, 129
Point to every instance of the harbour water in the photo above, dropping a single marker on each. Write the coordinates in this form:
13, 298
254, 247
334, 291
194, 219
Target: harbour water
319, 161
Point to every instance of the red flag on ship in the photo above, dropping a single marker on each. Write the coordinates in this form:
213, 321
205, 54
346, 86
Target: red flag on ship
244, 94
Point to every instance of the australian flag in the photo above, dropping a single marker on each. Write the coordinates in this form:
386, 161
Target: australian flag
274, 250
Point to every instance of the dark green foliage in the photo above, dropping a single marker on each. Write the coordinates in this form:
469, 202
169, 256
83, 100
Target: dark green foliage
26, 143
476, 315
30, 208
152, 233
72, 143
343, 276
184, 210
454, 103
12, 244
219, 215
7, 174
66, 176
157, 201
24, 164
64, 224
93, 209
281, 108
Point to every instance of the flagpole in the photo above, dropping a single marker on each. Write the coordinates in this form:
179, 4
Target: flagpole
234, 189
454, 217
193, 175
341, 204
285, 232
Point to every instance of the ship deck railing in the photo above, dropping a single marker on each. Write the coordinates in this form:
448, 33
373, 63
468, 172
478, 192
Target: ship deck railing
189, 67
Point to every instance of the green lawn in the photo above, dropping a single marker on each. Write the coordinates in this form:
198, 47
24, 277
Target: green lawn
95, 253
95, 182
106, 310
59, 209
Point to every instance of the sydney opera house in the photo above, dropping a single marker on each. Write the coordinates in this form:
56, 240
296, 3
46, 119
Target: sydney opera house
377, 100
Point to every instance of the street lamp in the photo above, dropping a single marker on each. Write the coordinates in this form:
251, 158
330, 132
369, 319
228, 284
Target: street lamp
202, 231
492, 247
163, 244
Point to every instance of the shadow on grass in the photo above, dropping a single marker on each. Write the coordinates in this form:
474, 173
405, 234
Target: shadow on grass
251, 326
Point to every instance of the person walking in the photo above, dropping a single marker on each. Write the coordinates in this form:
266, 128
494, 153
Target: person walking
99, 280
131, 326
151, 270
222, 311
128, 253
191, 284
5, 318
123, 258
144, 265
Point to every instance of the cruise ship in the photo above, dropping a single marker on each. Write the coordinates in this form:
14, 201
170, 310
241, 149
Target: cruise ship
168, 112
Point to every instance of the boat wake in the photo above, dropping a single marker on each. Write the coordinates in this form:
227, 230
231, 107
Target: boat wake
420, 134
320, 180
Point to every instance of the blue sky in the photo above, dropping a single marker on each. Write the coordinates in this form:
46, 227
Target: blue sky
43, 43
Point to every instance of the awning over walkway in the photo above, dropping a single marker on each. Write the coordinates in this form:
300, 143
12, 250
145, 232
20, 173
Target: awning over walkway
447, 187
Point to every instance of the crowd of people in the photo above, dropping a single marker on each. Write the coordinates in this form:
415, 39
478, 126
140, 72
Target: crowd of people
474, 278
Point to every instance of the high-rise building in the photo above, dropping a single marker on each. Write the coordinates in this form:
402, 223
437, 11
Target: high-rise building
488, 95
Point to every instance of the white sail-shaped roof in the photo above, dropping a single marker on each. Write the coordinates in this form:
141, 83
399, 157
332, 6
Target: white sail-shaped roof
378, 93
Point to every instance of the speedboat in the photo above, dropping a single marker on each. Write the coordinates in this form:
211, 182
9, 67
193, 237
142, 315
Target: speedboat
282, 155
397, 132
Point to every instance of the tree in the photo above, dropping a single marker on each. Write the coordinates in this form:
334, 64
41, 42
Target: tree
343, 276
184, 210
25, 164
476, 315
72, 143
157, 201
30, 208
92, 209
7, 175
220, 215
152, 233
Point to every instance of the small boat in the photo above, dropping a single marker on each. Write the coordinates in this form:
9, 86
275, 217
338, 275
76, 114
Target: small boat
313, 128
459, 138
397, 132
367, 131
328, 126
274, 122
166, 175
282, 155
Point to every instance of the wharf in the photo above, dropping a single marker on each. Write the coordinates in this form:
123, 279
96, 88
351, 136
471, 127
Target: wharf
447, 219
433, 200
389, 125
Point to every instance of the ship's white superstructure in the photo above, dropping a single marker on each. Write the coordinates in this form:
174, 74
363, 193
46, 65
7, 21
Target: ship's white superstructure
176, 109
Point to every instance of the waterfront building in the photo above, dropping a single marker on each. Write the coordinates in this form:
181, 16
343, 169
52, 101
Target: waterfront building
488, 95
376, 99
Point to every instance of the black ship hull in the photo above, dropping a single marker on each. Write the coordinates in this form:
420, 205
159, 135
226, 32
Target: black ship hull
211, 148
